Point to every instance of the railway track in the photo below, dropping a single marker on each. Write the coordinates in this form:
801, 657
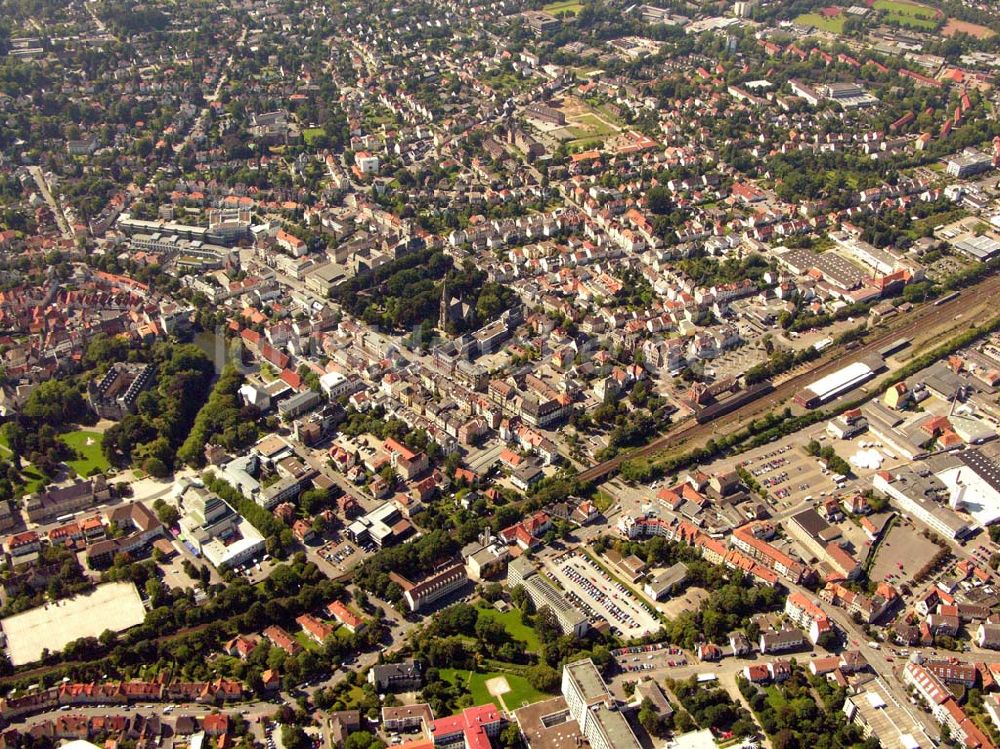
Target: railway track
927, 315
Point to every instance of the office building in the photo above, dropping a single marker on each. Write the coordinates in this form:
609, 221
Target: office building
591, 705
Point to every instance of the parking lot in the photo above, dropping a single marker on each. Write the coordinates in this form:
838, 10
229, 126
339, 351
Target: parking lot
340, 554
734, 362
771, 471
901, 555
650, 657
790, 475
786, 471
601, 596
172, 571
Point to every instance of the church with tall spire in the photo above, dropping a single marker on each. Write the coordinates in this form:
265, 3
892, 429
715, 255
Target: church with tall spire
452, 309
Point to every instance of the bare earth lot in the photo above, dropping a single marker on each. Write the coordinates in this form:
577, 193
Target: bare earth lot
689, 601
954, 26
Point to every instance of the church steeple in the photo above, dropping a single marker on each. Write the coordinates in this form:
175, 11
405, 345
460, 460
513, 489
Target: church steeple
443, 313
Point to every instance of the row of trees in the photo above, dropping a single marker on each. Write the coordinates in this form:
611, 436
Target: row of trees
833, 461
222, 421
779, 362
756, 433
278, 537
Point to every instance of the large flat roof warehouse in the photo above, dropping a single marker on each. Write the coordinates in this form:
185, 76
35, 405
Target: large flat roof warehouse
974, 485
114, 606
891, 721
981, 248
835, 383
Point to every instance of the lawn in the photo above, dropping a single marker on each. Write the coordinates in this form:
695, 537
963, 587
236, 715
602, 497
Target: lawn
354, 697
511, 621
584, 144
775, 698
603, 501
506, 82
89, 456
564, 6
34, 481
521, 692
310, 134
307, 642
833, 25
342, 633
377, 115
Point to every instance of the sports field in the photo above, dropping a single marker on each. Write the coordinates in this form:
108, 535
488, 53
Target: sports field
909, 14
114, 606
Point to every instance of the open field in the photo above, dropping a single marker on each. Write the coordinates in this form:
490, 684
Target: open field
519, 691
585, 127
511, 621
52, 626
833, 25
563, 6
954, 26
87, 446
910, 14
